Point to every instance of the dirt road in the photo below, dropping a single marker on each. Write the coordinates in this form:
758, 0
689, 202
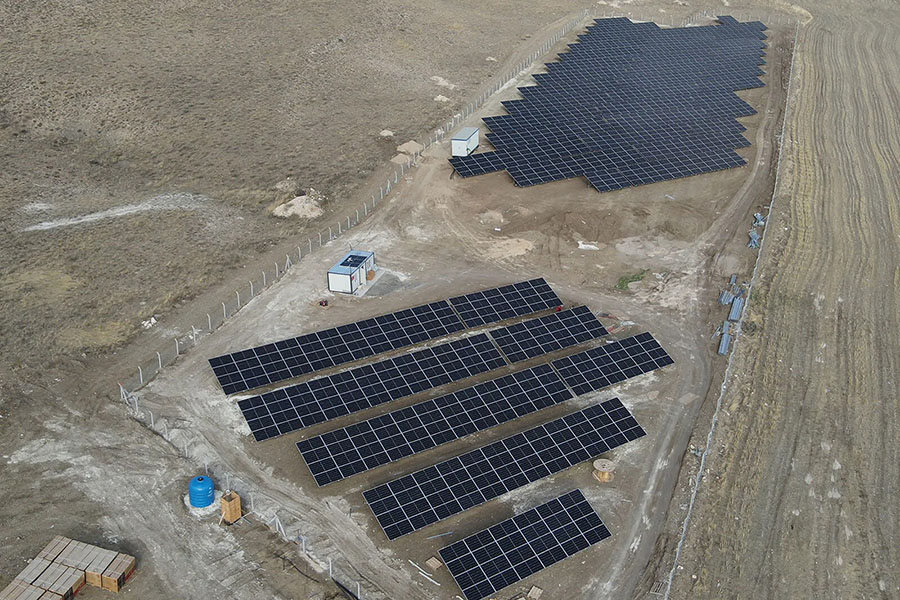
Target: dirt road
800, 496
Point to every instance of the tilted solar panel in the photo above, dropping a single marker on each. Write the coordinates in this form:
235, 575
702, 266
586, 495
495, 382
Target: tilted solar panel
362, 446
629, 104
499, 556
417, 500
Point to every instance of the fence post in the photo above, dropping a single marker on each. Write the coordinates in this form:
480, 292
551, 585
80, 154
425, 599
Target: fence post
176, 347
357, 216
299, 254
276, 270
348, 220
238, 294
264, 279
251, 289
209, 322
159, 360
224, 314
339, 228
141, 374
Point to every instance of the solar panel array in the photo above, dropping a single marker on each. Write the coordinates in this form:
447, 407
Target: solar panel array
312, 352
539, 336
630, 104
607, 365
288, 409
383, 439
490, 560
414, 501
509, 301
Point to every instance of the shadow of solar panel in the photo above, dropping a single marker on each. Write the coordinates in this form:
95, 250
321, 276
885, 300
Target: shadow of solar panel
498, 304
608, 365
312, 352
547, 334
288, 409
630, 104
499, 556
417, 500
362, 446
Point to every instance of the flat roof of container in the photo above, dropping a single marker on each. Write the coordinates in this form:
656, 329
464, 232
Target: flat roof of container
465, 133
351, 262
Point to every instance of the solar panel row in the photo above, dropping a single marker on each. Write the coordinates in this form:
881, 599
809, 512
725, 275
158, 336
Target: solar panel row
491, 306
362, 446
298, 356
536, 337
417, 500
499, 556
291, 408
288, 409
607, 365
312, 352
629, 104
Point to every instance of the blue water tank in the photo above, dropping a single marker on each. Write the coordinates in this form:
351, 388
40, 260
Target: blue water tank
202, 491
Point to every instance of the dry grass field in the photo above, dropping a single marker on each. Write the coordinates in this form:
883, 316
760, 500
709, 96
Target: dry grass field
139, 151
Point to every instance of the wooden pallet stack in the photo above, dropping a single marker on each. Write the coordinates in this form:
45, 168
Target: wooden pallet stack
64, 566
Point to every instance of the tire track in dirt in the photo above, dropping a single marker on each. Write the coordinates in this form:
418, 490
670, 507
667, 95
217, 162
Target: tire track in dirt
800, 500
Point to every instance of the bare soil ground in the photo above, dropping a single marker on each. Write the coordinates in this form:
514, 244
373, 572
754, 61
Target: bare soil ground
800, 493
437, 236
121, 107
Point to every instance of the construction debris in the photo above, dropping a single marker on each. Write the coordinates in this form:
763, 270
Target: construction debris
754, 239
725, 342
534, 593
433, 563
759, 220
726, 297
62, 568
737, 307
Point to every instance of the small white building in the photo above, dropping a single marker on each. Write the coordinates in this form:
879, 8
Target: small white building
351, 273
464, 142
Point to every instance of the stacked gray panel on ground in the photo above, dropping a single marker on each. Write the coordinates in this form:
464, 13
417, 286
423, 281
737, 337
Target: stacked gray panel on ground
490, 560
362, 446
417, 500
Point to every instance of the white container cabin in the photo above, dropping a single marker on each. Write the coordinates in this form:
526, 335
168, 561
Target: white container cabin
350, 273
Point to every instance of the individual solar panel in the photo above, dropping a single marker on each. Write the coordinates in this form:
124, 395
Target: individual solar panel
414, 501
288, 409
629, 104
539, 336
607, 365
312, 352
362, 446
490, 306
499, 556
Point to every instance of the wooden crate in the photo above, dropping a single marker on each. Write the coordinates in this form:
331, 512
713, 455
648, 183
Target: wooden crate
93, 574
118, 572
231, 507
34, 570
52, 550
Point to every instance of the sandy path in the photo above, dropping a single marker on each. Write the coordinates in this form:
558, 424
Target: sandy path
800, 497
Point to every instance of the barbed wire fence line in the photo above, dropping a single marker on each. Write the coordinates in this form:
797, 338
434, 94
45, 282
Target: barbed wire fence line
286, 523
